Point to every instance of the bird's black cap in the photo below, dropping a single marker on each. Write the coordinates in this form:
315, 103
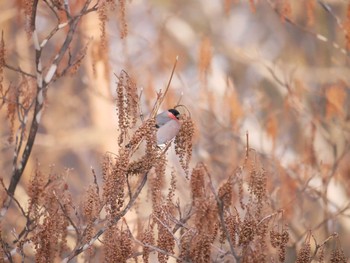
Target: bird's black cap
174, 112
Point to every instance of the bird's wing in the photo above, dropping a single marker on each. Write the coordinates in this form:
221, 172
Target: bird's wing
162, 118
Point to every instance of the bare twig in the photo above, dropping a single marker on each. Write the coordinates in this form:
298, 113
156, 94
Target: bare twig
324, 221
42, 84
328, 9
168, 229
138, 105
220, 206
318, 246
115, 220
184, 106
95, 181
64, 210
19, 70
183, 219
247, 145
15, 200
316, 35
33, 15
52, 8
268, 217
161, 95
152, 248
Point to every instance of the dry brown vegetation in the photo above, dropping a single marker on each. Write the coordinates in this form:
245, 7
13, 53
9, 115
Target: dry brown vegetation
259, 171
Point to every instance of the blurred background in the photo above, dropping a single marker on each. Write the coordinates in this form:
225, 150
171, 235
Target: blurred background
275, 71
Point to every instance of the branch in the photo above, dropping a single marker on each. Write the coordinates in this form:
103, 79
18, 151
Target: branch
66, 215
221, 215
318, 246
33, 15
328, 9
115, 220
52, 8
183, 219
154, 248
14, 199
19, 70
161, 95
41, 93
170, 231
316, 35
324, 221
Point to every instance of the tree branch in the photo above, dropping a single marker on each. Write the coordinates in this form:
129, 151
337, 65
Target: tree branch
41, 93
220, 206
115, 220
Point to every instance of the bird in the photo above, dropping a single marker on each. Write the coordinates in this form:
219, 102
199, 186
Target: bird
168, 125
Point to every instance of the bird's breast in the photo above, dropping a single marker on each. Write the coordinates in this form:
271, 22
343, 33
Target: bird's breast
168, 131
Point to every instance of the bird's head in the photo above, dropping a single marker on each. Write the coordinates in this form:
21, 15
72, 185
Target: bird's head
174, 114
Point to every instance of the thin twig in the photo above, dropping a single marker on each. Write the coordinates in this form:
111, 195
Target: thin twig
115, 220
19, 70
162, 95
180, 223
152, 248
168, 229
41, 94
304, 29
330, 11
318, 246
52, 8
268, 217
67, 216
14, 199
221, 215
